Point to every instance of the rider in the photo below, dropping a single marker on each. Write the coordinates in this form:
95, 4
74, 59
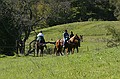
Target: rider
71, 35
65, 37
40, 37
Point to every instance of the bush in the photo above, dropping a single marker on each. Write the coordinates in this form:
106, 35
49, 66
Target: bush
90, 19
115, 37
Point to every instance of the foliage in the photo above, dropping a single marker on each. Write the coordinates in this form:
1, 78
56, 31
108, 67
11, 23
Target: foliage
18, 20
116, 3
59, 12
68, 11
97, 9
8, 32
115, 37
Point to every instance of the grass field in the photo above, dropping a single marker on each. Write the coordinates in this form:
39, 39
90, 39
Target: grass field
94, 60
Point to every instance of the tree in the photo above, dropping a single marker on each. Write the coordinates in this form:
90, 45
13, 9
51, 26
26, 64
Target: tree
8, 33
59, 12
18, 20
96, 9
116, 3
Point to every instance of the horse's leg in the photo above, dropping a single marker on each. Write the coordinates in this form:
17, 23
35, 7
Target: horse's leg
77, 49
37, 51
61, 52
34, 52
55, 50
41, 53
58, 52
73, 50
64, 50
70, 49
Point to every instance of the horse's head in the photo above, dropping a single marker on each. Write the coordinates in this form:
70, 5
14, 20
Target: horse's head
81, 38
75, 38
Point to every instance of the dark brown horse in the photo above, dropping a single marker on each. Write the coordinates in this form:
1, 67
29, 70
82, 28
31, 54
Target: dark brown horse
75, 42
40, 46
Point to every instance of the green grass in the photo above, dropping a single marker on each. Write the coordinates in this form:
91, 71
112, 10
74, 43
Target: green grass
94, 60
96, 28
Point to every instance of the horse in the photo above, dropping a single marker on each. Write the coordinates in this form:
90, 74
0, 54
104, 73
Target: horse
58, 47
70, 45
75, 42
40, 46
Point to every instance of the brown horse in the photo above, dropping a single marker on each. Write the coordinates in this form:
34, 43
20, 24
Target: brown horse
58, 47
75, 42
70, 45
40, 46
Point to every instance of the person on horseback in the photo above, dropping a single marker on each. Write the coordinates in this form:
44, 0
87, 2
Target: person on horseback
71, 35
65, 37
40, 37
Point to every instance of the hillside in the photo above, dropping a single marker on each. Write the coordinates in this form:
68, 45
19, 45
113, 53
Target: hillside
94, 60
92, 31
95, 28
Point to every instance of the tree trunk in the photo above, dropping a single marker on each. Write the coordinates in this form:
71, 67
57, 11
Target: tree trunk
17, 46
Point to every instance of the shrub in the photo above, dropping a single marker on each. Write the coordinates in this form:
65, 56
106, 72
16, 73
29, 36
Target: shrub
115, 36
